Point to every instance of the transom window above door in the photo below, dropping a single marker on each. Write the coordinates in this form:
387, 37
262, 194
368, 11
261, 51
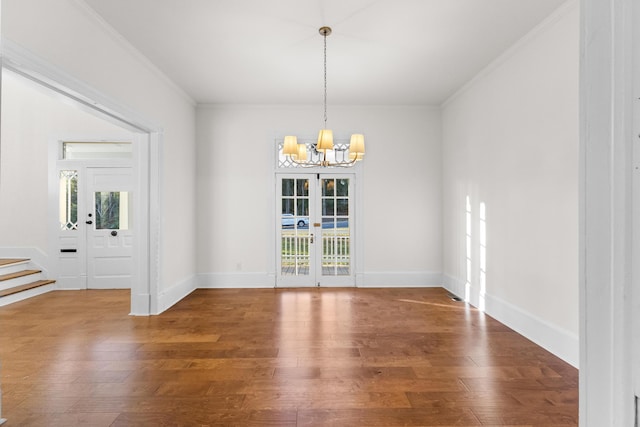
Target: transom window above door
340, 153
96, 150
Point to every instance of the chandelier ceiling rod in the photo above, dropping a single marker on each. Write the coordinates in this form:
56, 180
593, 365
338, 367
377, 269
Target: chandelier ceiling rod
325, 31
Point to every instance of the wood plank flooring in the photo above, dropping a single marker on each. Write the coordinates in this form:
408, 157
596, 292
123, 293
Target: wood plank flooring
305, 357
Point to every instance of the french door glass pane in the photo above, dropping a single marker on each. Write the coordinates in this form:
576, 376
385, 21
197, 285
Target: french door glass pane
336, 235
342, 187
328, 186
342, 207
288, 208
328, 207
315, 233
295, 233
303, 207
287, 187
303, 187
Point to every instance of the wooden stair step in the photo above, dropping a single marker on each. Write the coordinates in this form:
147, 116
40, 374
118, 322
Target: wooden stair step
16, 289
17, 274
9, 261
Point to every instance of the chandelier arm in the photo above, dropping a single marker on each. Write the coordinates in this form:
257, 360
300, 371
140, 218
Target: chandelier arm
322, 163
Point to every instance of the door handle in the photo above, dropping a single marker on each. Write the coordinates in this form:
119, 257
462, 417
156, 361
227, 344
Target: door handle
88, 222
311, 239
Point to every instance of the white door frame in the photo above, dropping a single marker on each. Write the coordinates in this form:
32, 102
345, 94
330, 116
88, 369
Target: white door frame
609, 277
79, 238
315, 276
145, 290
635, 309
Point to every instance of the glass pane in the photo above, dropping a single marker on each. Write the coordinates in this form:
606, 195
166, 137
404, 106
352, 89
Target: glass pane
295, 252
342, 223
342, 207
336, 253
328, 207
342, 187
328, 222
287, 187
112, 210
97, 150
68, 200
296, 237
328, 186
303, 207
303, 187
288, 220
288, 206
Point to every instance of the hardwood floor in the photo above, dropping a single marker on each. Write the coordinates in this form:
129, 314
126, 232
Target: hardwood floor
305, 357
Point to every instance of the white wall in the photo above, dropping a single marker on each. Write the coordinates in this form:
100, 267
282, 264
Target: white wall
401, 183
510, 142
31, 117
67, 34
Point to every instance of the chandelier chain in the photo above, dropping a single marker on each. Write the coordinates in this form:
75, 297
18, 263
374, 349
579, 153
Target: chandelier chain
325, 80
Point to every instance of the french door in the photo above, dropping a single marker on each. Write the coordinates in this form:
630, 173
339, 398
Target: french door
314, 219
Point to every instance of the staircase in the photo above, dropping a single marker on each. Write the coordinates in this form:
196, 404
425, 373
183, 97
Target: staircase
19, 281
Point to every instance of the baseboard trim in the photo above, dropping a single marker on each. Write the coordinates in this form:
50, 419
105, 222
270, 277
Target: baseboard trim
558, 341
421, 279
454, 286
140, 304
235, 281
176, 293
395, 279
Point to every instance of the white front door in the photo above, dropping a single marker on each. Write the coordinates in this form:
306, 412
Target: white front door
94, 226
315, 223
109, 202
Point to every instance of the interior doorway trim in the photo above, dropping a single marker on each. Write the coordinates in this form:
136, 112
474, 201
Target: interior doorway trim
145, 290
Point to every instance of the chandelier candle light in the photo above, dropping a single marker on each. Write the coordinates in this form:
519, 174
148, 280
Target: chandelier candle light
298, 152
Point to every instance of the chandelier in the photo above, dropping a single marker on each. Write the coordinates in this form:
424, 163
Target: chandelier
344, 156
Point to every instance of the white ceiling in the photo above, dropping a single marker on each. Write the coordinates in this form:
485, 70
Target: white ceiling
270, 52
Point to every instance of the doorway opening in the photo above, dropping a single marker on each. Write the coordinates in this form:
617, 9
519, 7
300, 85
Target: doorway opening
146, 139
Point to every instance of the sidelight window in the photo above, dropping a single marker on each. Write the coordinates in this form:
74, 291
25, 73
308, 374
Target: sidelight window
68, 199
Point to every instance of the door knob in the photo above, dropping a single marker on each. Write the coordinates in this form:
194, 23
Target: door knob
88, 222
114, 233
